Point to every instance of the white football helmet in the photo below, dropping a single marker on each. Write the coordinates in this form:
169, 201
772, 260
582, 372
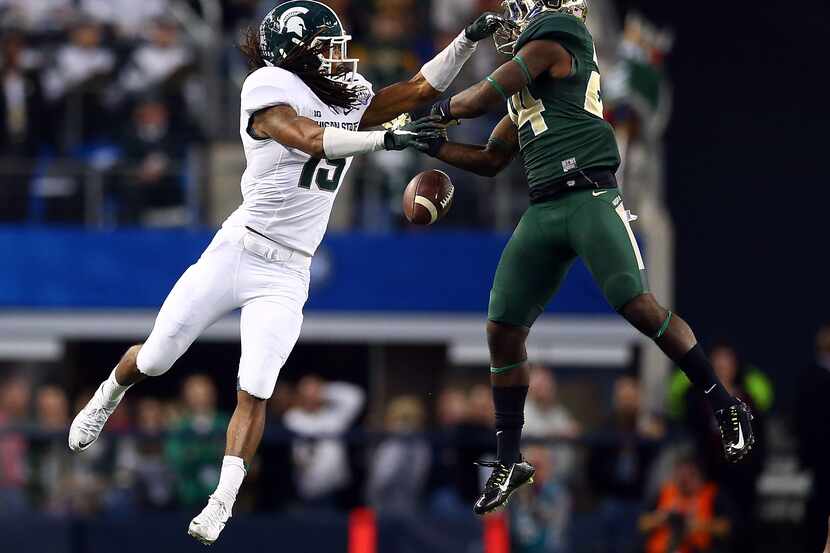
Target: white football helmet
519, 14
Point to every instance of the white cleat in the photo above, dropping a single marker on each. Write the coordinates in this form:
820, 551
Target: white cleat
90, 421
208, 524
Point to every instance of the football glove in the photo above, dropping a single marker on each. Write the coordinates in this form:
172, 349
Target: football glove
483, 27
417, 134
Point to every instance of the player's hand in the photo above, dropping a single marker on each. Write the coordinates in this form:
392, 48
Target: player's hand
483, 27
418, 134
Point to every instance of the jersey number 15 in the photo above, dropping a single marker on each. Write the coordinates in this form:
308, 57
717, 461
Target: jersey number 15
327, 174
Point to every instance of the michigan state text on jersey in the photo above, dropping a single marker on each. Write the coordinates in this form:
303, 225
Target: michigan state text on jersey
553, 90
303, 108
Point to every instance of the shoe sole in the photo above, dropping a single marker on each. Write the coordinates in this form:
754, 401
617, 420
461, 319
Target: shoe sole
503, 506
197, 537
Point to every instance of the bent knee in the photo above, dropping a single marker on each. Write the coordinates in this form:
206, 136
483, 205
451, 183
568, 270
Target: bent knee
507, 342
644, 313
152, 359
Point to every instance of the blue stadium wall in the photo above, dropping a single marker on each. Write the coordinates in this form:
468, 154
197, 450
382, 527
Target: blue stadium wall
63, 268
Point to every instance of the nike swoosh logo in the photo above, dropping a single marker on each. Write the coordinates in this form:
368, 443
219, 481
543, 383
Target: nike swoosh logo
598, 194
740, 444
712, 388
506, 484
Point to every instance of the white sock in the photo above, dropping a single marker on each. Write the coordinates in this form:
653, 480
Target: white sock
112, 390
230, 480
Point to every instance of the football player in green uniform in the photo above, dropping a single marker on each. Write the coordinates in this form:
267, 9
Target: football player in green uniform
570, 156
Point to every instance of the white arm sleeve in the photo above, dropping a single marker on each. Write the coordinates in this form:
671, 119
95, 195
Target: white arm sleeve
338, 144
442, 70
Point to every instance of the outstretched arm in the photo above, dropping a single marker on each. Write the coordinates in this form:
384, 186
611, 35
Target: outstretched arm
534, 59
488, 160
433, 79
281, 123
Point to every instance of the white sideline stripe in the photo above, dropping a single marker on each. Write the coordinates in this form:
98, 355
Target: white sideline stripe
433, 211
624, 218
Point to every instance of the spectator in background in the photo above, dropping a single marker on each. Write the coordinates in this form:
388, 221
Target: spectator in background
388, 58
50, 462
40, 15
546, 417
811, 424
540, 513
400, 464
148, 188
619, 467
21, 106
141, 466
321, 466
15, 397
196, 441
690, 514
129, 17
447, 473
76, 80
162, 64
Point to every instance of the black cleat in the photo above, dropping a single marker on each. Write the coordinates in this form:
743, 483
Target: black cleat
504, 480
735, 431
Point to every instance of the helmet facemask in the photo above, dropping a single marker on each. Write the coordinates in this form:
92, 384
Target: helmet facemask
335, 60
519, 14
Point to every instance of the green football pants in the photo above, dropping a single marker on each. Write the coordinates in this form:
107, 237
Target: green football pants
591, 224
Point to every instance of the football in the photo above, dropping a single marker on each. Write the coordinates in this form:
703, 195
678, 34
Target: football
428, 197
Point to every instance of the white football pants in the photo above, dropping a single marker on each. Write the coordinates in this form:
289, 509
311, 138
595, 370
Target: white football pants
238, 269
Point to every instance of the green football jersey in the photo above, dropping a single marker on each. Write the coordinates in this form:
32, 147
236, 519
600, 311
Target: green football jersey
560, 121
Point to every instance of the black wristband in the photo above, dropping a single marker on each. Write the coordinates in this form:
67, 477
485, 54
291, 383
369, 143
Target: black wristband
444, 109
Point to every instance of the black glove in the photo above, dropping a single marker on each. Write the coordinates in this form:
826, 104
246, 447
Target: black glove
431, 142
418, 134
483, 27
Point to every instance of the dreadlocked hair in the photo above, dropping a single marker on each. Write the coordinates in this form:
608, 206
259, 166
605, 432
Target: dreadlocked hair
304, 61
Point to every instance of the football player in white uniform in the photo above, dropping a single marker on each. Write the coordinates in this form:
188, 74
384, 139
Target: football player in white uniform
304, 108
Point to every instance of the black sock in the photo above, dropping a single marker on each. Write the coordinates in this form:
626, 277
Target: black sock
699, 370
510, 418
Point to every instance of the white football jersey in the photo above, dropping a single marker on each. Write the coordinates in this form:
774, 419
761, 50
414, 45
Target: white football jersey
287, 194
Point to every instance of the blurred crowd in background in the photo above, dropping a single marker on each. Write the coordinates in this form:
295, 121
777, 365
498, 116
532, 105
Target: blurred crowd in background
110, 111
627, 478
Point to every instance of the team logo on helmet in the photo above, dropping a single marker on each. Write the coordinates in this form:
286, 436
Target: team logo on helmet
292, 22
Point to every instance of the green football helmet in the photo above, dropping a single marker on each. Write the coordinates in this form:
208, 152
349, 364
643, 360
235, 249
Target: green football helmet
520, 13
296, 22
